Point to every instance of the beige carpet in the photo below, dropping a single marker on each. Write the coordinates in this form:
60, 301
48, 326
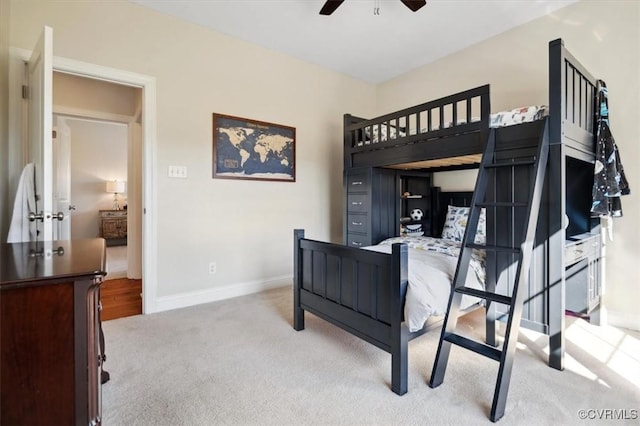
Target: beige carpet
239, 362
117, 262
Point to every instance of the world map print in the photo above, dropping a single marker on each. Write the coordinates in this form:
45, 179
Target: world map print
252, 149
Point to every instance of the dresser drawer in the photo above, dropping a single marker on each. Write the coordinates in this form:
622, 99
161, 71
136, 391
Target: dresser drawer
113, 213
357, 223
358, 240
577, 250
358, 182
358, 203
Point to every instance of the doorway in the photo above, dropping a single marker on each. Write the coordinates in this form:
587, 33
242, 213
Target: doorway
98, 156
145, 130
99, 124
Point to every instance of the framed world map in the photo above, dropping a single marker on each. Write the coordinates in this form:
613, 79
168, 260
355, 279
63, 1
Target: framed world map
250, 149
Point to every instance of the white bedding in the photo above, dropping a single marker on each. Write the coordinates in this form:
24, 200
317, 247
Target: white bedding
432, 265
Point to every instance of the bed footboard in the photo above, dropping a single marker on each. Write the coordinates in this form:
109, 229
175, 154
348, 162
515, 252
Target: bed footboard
360, 291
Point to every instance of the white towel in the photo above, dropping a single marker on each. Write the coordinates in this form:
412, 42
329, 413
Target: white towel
21, 229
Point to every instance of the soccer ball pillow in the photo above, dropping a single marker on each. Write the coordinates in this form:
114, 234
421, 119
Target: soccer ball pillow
416, 214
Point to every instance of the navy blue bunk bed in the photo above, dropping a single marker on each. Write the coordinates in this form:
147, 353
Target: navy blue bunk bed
364, 292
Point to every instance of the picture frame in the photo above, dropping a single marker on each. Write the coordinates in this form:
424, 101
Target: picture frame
244, 148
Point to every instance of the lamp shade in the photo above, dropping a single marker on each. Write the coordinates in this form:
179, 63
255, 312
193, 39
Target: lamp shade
115, 186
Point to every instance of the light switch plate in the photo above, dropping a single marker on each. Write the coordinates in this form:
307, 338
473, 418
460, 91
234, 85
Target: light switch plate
178, 172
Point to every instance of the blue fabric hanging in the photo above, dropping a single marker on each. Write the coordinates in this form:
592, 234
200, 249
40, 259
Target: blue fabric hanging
609, 182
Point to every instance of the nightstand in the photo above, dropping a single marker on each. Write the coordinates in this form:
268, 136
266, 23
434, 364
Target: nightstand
113, 227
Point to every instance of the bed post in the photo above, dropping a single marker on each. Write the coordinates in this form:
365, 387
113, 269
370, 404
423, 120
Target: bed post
298, 312
556, 204
399, 331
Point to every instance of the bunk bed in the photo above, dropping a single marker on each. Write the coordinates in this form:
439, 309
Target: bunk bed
364, 292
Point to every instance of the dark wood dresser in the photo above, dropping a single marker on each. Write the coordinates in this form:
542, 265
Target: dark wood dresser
49, 324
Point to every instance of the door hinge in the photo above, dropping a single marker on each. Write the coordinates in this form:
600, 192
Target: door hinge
54, 134
25, 91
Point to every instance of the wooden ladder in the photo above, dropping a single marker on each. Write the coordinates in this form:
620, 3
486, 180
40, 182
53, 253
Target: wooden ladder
491, 169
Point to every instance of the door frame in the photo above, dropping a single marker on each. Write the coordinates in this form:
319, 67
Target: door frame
149, 148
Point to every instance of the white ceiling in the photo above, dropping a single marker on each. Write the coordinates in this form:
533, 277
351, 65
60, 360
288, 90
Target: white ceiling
353, 40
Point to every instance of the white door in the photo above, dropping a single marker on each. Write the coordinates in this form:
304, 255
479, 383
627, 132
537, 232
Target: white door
40, 116
61, 155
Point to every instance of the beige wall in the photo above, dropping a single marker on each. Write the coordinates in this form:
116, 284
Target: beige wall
5, 210
245, 226
80, 95
605, 37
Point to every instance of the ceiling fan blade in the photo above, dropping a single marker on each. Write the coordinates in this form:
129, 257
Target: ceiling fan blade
330, 6
414, 5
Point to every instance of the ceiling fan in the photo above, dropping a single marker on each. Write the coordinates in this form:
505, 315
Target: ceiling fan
331, 5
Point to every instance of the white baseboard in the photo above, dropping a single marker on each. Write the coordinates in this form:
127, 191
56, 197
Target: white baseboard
630, 321
185, 300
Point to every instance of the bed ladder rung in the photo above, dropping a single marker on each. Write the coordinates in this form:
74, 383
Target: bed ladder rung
511, 163
494, 248
520, 231
486, 295
475, 346
502, 204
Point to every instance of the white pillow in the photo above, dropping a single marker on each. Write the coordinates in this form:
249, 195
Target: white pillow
456, 222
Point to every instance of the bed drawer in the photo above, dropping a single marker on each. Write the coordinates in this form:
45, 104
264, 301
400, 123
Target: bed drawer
358, 223
358, 182
358, 203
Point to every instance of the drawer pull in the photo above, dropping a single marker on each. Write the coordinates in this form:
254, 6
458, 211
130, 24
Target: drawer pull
356, 223
356, 203
357, 244
357, 182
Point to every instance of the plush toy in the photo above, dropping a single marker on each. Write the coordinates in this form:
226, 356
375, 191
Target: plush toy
416, 214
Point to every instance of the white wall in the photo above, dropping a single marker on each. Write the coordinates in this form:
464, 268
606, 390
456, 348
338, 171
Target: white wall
98, 154
605, 37
245, 226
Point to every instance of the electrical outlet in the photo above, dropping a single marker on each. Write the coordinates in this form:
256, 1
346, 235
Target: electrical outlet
212, 268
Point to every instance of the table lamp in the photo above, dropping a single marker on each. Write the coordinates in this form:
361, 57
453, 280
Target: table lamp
115, 187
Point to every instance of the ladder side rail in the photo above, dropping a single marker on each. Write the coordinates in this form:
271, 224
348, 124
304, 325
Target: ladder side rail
522, 276
455, 298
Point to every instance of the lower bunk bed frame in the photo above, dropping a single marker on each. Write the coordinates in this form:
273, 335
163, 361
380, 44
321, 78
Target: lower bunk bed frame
360, 291
363, 292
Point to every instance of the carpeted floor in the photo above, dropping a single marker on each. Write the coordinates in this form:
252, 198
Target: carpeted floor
116, 262
239, 362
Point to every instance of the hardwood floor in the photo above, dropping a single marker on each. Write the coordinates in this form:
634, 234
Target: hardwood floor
121, 297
